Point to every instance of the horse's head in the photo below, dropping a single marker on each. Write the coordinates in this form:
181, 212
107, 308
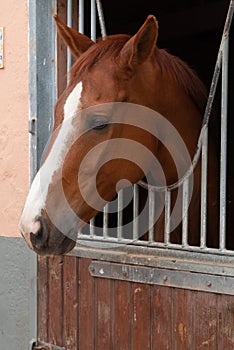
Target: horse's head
82, 169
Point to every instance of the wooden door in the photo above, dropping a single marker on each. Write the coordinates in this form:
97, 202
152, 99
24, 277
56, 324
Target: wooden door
78, 311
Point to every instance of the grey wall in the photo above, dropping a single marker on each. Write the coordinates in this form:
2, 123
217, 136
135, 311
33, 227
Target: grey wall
17, 294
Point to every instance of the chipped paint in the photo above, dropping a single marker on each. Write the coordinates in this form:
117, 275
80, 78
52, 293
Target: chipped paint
182, 332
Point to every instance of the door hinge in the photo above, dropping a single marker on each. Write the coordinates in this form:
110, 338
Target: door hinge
38, 345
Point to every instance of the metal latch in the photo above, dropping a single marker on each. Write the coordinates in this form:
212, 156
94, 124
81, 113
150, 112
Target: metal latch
38, 345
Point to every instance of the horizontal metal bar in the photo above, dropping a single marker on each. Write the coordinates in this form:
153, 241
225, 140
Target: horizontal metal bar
85, 239
162, 277
222, 265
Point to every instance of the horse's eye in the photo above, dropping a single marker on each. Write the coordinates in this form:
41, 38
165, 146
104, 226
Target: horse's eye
99, 122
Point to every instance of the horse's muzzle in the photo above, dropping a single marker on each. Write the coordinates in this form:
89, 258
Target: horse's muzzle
48, 240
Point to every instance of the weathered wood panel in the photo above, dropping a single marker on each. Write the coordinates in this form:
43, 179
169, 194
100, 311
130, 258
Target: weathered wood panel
103, 320
182, 319
78, 311
70, 302
161, 323
122, 315
55, 303
86, 310
205, 321
225, 319
42, 298
141, 316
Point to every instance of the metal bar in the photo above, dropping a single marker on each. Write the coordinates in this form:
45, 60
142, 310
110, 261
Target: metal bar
151, 215
105, 221
69, 23
81, 16
215, 77
101, 18
162, 277
93, 20
135, 211
167, 228
223, 150
204, 167
174, 259
92, 227
120, 215
185, 213
139, 245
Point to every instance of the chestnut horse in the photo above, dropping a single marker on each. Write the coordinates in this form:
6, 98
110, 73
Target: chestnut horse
117, 69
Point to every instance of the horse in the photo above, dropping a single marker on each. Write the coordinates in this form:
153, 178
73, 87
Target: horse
116, 70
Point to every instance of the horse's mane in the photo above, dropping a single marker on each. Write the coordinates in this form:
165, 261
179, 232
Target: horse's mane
180, 71
184, 76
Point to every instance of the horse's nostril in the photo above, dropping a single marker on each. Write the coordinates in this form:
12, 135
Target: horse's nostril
40, 237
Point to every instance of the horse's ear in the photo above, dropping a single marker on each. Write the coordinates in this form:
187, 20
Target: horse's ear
141, 45
77, 42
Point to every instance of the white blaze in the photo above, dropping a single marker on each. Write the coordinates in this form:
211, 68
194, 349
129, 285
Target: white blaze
38, 193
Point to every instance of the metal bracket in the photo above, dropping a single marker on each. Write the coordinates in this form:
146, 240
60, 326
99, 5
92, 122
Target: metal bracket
32, 125
38, 345
163, 277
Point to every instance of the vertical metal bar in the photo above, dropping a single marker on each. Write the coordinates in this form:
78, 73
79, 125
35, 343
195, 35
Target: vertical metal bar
93, 20
151, 215
223, 150
167, 228
69, 23
204, 167
93, 37
81, 16
135, 211
185, 212
105, 221
101, 18
120, 215
92, 227
79, 233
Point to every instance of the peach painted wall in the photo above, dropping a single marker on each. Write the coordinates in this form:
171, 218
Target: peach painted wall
13, 115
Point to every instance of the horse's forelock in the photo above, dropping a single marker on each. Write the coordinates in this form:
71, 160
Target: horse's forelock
108, 48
